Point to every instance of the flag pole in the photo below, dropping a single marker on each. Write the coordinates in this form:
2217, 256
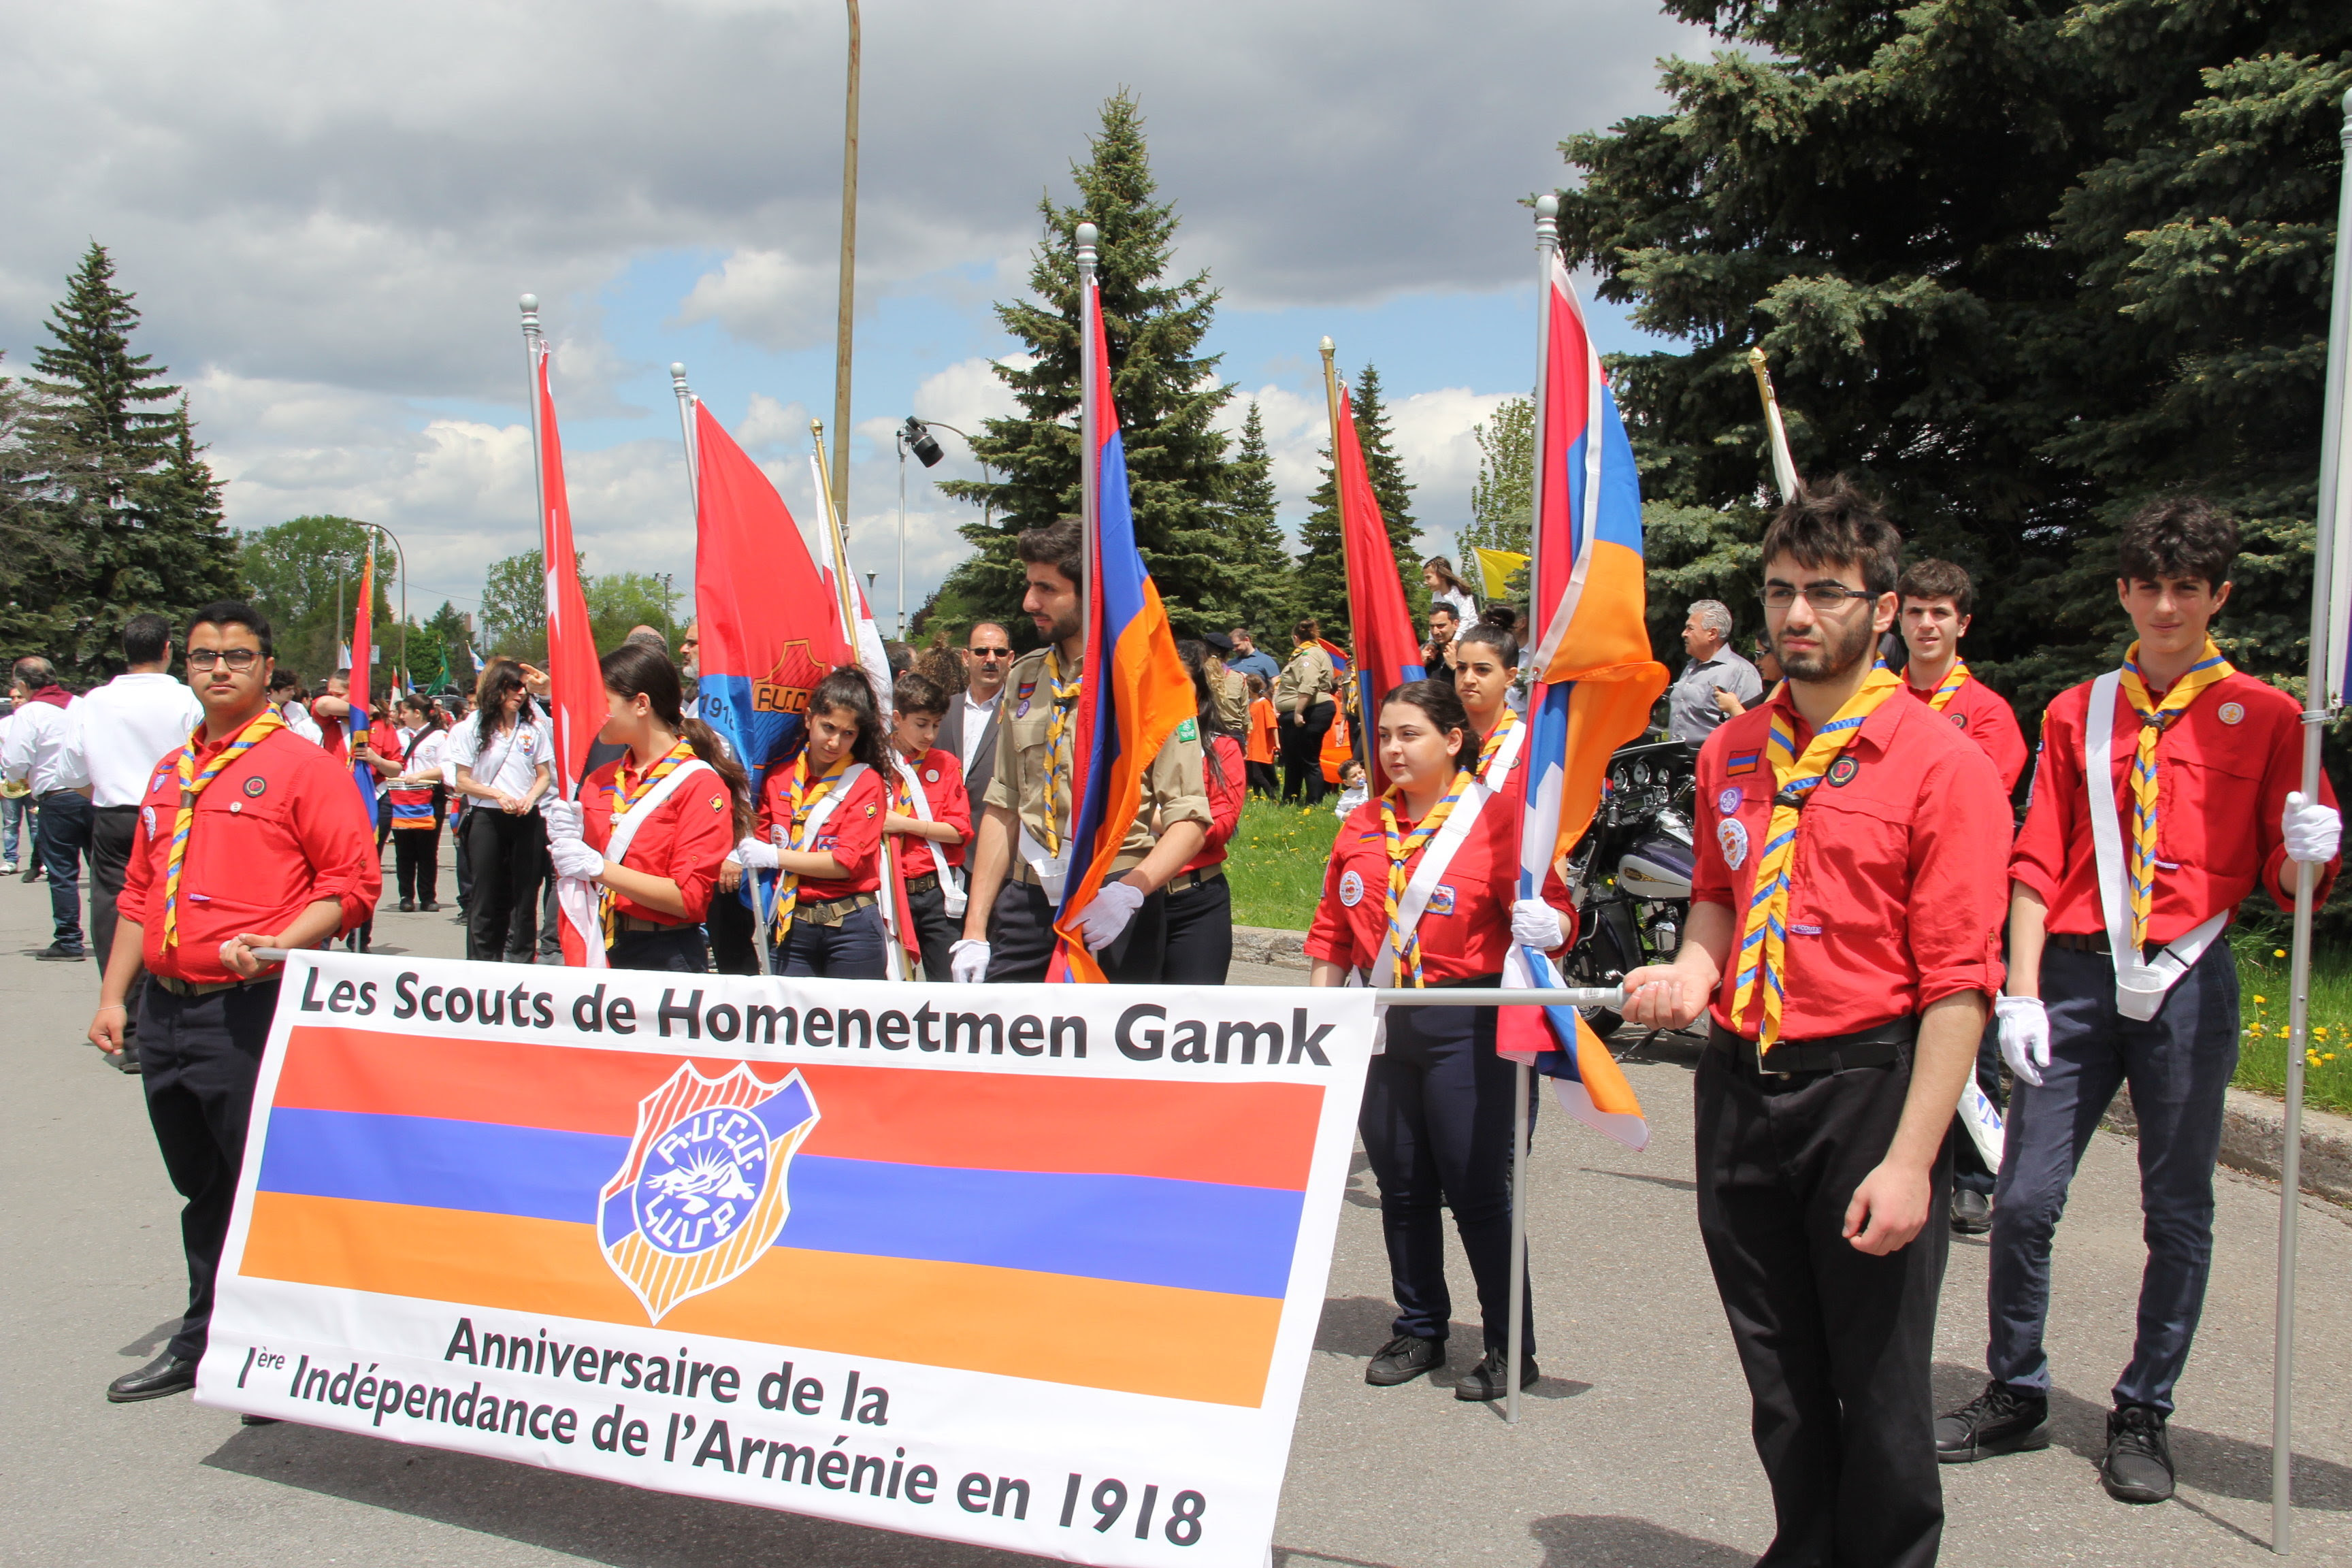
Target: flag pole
1347, 561
1089, 438
1522, 1073
531, 343
838, 544
2317, 690
1784, 466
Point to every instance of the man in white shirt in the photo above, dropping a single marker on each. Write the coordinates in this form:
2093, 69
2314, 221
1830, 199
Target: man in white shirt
970, 728
124, 734
38, 755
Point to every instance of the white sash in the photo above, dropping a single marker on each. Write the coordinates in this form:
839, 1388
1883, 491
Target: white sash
1434, 859
1052, 871
2140, 987
950, 878
580, 898
804, 832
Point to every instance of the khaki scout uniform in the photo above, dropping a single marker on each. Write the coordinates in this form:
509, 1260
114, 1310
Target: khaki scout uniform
1229, 692
1305, 680
1020, 926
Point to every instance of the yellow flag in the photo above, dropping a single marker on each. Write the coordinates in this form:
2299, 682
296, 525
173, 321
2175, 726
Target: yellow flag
1494, 568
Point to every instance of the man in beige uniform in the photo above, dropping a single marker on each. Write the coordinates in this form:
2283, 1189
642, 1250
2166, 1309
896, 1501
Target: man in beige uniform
1302, 702
1021, 844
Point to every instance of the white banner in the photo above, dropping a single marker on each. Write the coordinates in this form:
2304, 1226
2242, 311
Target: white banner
1037, 1268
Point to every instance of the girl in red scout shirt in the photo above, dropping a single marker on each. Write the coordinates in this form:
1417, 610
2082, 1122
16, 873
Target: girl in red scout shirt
1418, 892
930, 817
828, 804
1200, 900
650, 826
1484, 657
2147, 829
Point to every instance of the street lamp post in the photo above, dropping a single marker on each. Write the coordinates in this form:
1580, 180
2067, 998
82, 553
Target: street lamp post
914, 435
400, 555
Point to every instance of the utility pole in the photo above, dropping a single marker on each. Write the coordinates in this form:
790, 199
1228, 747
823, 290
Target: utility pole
848, 280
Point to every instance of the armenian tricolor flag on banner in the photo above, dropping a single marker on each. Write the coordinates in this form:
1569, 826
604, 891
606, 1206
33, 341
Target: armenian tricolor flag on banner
1594, 678
1134, 692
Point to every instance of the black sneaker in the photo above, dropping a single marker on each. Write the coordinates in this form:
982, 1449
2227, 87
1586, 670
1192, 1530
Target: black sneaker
58, 952
430, 907
1485, 1381
1998, 1421
1971, 1211
1402, 1359
408, 906
2138, 1463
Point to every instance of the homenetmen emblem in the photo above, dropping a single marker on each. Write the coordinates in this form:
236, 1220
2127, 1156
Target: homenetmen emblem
701, 1196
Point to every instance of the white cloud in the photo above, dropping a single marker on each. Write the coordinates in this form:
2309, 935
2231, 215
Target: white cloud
768, 298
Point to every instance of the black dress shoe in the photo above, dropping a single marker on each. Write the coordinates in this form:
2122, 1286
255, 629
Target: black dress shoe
430, 907
1402, 1359
256, 1420
1488, 1380
2001, 1420
2138, 1466
126, 1060
166, 1374
408, 906
58, 952
1971, 1211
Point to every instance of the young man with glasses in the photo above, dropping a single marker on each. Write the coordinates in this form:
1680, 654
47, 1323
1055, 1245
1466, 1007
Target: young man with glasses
1842, 942
968, 729
247, 837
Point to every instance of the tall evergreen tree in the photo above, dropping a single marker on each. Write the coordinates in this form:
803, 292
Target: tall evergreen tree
1168, 395
1322, 566
1264, 590
119, 483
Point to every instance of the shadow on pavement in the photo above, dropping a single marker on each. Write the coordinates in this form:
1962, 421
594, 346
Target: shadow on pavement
1615, 1541
600, 1521
2206, 1462
1676, 1183
147, 1344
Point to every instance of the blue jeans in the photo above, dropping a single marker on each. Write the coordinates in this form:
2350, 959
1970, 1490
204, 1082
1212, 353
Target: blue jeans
850, 951
62, 837
12, 827
2178, 1064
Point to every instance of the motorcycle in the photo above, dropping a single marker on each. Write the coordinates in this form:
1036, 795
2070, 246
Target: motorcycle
1630, 875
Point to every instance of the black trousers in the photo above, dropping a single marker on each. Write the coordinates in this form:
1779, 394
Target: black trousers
510, 855
1836, 1344
198, 1056
1200, 934
680, 950
61, 836
1021, 939
1263, 779
1302, 754
934, 930
114, 831
461, 854
1436, 1125
417, 861
729, 923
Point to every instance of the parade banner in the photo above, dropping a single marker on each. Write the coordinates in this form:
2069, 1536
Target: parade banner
940, 1260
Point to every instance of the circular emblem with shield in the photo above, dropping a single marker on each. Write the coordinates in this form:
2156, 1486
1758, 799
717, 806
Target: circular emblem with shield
1351, 887
701, 1197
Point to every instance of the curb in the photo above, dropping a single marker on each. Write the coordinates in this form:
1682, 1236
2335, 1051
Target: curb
1270, 946
2254, 1140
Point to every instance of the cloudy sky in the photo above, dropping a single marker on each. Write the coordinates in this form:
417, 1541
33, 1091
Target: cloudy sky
326, 213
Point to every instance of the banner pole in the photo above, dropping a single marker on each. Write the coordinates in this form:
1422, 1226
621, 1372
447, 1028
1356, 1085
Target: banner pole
2319, 682
686, 430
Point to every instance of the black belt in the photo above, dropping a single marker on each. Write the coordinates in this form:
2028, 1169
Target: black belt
2096, 942
639, 923
1874, 1047
194, 988
1185, 881
103, 810
922, 884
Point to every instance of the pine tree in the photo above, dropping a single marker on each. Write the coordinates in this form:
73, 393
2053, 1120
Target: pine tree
120, 486
1167, 392
1322, 564
1264, 587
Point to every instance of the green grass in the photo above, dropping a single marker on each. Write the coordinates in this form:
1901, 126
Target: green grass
2262, 1001
1276, 863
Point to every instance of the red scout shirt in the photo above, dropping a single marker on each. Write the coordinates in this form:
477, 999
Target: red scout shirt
852, 832
1466, 931
1226, 797
685, 838
1897, 885
279, 829
1984, 716
2223, 770
942, 778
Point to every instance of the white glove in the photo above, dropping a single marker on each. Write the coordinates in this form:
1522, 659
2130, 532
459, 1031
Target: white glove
571, 858
2312, 831
1114, 905
2024, 1035
561, 817
1536, 924
756, 852
968, 961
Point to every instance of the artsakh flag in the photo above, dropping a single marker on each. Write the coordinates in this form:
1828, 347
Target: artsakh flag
1595, 682
1134, 692
1388, 653
359, 721
576, 685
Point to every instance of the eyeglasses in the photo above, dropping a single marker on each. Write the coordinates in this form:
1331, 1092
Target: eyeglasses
235, 658
1820, 595
992, 653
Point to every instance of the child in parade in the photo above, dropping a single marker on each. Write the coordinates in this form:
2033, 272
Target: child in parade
1200, 900
930, 820
413, 801
651, 827
1419, 892
1263, 740
1353, 789
827, 805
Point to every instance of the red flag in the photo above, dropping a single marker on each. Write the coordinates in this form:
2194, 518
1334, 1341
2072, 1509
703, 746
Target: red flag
1388, 653
577, 685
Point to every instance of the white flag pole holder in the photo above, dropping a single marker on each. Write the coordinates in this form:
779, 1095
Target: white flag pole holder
2318, 708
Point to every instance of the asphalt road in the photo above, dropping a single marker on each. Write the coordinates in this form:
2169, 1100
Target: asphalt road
1633, 1452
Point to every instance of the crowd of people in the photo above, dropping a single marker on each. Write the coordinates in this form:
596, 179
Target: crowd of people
1883, 904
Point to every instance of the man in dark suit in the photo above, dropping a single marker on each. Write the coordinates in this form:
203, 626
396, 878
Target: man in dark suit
970, 729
